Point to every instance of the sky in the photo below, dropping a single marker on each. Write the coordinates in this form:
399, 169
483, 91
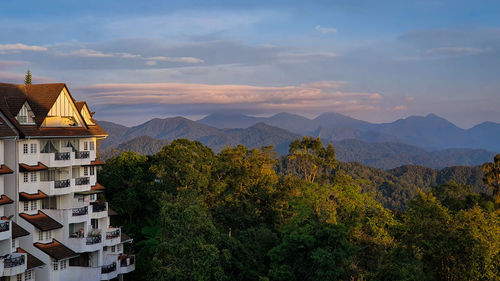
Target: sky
373, 60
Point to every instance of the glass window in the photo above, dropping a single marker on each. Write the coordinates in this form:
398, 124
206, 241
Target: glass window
91, 145
34, 204
20, 277
55, 265
25, 148
113, 249
48, 234
40, 235
27, 275
33, 148
85, 171
25, 177
26, 206
92, 170
33, 176
13, 244
85, 145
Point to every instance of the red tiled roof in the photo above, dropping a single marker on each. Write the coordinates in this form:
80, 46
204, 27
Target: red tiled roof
41, 221
56, 250
5, 170
32, 260
41, 98
97, 186
18, 231
27, 168
97, 162
4, 199
23, 196
124, 237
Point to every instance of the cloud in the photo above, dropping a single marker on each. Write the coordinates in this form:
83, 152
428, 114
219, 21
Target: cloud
325, 30
455, 51
89, 53
176, 59
410, 98
318, 96
21, 47
400, 108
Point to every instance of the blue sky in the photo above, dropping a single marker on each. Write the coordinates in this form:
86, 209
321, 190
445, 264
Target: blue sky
374, 60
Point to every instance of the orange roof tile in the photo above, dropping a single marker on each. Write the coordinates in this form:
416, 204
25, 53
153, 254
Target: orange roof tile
27, 168
32, 260
97, 186
5, 170
23, 196
4, 199
97, 162
41, 221
56, 250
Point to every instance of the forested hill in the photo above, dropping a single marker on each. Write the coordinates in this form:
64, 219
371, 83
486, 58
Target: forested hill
385, 155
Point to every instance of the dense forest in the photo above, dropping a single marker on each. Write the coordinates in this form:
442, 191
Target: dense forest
245, 214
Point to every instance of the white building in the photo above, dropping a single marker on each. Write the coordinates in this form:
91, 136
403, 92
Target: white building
54, 222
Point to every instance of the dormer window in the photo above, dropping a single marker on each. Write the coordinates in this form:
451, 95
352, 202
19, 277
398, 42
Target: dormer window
87, 116
25, 115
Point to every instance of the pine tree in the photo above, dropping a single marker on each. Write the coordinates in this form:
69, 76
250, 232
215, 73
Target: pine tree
27, 78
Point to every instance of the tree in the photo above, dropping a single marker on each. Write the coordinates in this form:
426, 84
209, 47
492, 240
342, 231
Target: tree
310, 157
27, 78
185, 241
492, 178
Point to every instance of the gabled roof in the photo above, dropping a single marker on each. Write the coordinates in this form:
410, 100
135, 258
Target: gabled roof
40, 98
97, 162
32, 260
18, 231
4, 199
27, 168
124, 238
5, 170
56, 250
23, 196
41, 221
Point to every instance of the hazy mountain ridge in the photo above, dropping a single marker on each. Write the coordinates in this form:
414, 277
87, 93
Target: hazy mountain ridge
148, 138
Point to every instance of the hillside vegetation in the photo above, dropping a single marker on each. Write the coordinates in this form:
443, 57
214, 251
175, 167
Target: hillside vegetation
245, 214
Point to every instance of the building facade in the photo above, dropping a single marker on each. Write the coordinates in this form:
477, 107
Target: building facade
54, 219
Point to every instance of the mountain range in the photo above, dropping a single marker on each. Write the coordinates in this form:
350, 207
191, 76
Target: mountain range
429, 140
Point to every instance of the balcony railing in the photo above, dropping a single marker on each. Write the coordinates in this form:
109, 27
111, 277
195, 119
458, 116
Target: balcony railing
113, 234
4, 226
82, 181
62, 183
124, 263
91, 240
82, 154
98, 207
62, 156
108, 268
80, 211
13, 261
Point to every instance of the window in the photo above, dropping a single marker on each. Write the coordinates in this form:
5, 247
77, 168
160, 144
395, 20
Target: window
33, 176
85, 171
25, 206
25, 177
40, 235
92, 197
33, 148
63, 264
20, 277
13, 244
28, 275
34, 205
92, 170
48, 234
91, 145
119, 247
25, 148
113, 249
55, 265
85, 145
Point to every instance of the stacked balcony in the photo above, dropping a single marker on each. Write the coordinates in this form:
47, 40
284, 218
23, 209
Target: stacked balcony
14, 263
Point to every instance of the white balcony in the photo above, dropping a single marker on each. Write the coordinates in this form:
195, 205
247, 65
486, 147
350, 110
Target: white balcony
99, 210
82, 158
111, 236
127, 265
14, 264
57, 187
5, 229
81, 273
57, 159
85, 244
109, 271
82, 184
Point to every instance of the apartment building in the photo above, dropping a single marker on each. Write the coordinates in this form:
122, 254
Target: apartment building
54, 219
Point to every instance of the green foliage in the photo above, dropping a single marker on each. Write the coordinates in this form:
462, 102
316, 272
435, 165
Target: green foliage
242, 215
492, 179
27, 78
